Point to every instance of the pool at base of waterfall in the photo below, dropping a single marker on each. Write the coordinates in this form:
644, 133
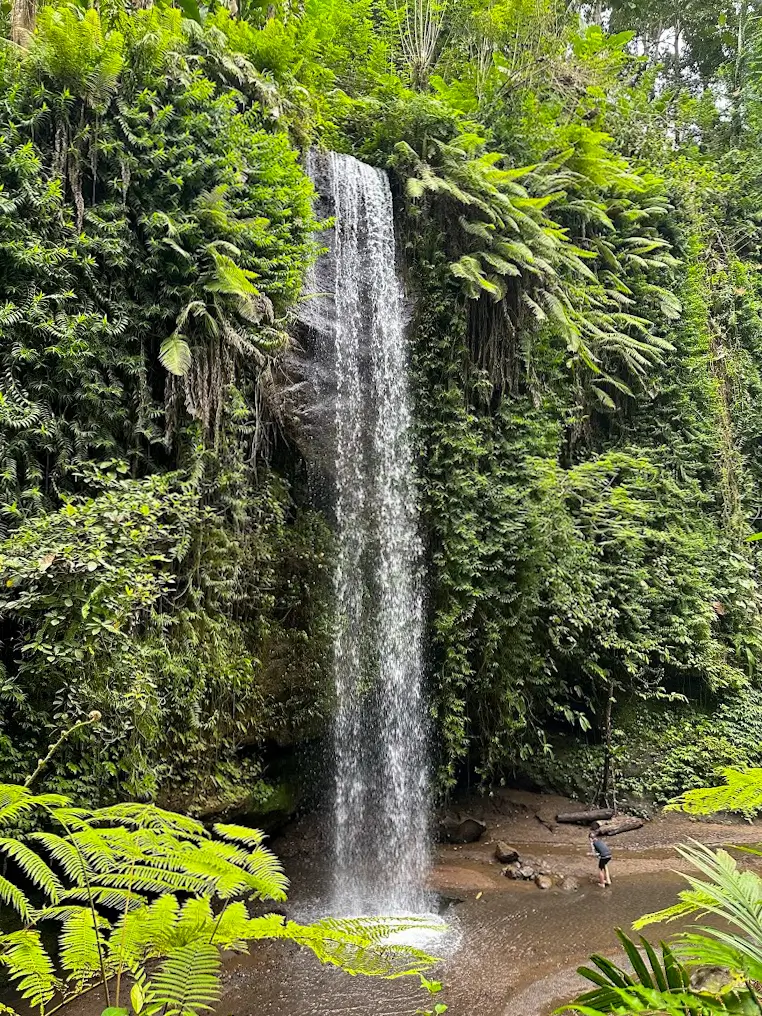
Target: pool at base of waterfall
508, 952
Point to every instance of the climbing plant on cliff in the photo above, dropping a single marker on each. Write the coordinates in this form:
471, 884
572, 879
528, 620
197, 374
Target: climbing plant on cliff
154, 229
578, 228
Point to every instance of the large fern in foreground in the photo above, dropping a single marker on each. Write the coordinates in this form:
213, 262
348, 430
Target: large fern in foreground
145, 900
653, 983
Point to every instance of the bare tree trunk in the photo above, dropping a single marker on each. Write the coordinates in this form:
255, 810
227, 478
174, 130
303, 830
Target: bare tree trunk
738, 69
607, 757
23, 18
677, 70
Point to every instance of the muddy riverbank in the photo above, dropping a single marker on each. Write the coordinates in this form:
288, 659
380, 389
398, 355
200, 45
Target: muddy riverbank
513, 949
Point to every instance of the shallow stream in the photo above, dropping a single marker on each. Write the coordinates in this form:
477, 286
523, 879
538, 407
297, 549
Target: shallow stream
512, 952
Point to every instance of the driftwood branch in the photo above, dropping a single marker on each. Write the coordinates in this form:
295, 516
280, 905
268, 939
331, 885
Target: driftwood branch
622, 824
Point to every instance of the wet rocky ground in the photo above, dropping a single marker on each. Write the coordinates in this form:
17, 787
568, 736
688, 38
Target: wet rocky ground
512, 949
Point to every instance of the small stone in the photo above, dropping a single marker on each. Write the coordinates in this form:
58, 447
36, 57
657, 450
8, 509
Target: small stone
513, 871
543, 882
505, 854
570, 884
526, 872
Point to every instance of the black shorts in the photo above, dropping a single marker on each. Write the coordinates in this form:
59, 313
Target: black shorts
602, 862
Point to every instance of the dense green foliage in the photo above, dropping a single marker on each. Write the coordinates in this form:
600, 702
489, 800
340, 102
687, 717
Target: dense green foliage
149, 218
576, 198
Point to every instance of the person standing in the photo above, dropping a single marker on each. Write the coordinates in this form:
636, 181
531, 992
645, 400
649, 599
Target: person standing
601, 850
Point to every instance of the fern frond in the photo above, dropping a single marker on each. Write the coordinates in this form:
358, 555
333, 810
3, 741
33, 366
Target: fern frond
149, 816
241, 834
33, 866
16, 801
741, 792
79, 943
187, 982
62, 852
144, 933
358, 945
29, 966
13, 897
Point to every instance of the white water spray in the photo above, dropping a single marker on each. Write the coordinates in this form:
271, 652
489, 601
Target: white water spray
381, 797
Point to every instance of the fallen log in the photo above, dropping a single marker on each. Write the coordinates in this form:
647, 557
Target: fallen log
622, 824
585, 817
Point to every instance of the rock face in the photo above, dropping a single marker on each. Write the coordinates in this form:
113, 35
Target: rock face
468, 830
543, 881
505, 854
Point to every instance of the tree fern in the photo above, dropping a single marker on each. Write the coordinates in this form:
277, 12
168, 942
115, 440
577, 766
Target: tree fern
112, 879
29, 967
741, 791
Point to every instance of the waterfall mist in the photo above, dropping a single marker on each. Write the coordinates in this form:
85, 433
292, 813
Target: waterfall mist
380, 820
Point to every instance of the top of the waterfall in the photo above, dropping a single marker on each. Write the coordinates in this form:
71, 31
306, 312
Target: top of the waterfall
357, 197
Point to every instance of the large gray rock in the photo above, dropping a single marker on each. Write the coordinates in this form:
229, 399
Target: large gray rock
467, 830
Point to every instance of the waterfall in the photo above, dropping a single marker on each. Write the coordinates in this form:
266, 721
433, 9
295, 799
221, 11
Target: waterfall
380, 821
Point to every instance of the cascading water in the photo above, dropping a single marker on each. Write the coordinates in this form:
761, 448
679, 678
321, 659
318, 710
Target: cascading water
381, 789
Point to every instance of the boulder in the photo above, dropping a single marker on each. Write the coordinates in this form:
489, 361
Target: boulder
569, 884
467, 830
505, 854
543, 881
520, 872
